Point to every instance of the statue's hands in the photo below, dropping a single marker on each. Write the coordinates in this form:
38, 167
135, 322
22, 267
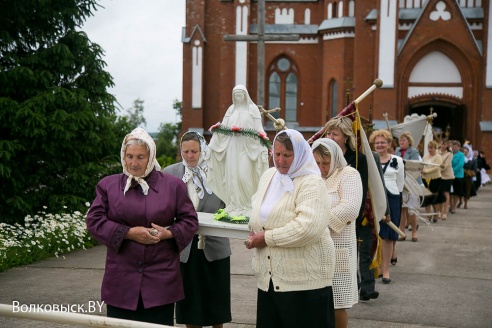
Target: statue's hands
206, 154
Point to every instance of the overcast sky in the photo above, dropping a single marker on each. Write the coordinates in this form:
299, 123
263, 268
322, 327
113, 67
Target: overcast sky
143, 50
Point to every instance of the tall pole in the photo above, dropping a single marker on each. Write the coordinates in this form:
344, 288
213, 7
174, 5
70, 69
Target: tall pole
261, 53
260, 40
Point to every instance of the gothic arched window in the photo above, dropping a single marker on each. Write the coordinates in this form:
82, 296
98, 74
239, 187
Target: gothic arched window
283, 89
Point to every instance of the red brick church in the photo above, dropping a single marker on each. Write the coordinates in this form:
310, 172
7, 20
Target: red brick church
430, 54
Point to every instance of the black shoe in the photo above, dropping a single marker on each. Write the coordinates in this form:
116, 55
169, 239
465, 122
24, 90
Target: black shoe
369, 296
386, 280
394, 261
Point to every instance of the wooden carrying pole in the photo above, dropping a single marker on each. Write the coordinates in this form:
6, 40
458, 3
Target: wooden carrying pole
277, 122
396, 229
376, 84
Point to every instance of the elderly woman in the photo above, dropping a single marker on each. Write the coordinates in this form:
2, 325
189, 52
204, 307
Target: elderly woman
407, 151
205, 263
345, 191
294, 256
393, 173
145, 218
447, 176
457, 163
339, 129
431, 174
470, 169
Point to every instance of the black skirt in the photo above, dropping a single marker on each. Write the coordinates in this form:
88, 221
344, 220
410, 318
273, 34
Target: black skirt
436, 186
207, 287
458, 187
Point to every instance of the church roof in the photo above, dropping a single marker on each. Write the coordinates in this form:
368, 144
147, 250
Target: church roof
339, 22
186, 39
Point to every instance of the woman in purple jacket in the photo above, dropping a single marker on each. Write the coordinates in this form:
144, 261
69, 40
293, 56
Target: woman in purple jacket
145, 218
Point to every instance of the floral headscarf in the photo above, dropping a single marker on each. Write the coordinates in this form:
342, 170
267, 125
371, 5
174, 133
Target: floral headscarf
337, 160
303, 164
199, 172
139, 134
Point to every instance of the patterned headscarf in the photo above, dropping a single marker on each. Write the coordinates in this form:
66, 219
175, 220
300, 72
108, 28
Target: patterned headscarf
199, 172
139, 134
303, 163
337, 160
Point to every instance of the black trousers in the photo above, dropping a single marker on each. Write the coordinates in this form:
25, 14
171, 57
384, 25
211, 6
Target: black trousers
307, 308
163, 314
366, 279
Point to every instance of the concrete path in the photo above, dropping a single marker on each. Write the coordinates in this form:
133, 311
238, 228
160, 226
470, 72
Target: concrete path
443, 280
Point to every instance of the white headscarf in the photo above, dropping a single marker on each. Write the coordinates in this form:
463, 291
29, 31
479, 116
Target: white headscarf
468, 157
303, 164
337, 160
139, 134
199, 172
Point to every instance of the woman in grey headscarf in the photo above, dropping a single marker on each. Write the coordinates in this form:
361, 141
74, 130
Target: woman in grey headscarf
345, 191
205, 263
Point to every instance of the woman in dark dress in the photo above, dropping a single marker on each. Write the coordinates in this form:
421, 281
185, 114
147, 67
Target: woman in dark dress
205, 263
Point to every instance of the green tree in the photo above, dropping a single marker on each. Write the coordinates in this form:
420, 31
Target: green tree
167, 143
135, 114
59, 133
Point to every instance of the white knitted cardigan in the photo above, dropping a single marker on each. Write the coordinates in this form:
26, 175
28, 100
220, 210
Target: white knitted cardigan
300, 254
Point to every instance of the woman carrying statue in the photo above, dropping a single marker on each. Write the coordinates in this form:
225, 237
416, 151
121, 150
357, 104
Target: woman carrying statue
205, 262
238, 154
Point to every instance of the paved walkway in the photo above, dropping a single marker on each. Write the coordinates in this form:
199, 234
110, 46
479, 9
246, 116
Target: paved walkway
443, 280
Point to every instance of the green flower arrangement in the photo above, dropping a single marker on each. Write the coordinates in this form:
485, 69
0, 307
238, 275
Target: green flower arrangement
236, 131
222, 215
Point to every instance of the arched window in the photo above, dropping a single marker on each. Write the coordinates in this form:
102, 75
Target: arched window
335, 10
283, 89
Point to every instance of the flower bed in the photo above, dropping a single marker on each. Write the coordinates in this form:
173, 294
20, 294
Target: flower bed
42, 236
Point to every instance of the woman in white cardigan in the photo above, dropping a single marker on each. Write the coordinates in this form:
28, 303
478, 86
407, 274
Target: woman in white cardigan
294, 257
345, 191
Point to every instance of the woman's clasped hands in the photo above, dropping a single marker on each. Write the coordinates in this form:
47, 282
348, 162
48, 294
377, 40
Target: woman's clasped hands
255, 240
148, 236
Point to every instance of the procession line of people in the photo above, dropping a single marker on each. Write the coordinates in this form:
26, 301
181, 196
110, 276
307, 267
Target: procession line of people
313, 248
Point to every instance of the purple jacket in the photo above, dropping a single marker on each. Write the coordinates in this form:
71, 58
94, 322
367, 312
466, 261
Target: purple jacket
132, 268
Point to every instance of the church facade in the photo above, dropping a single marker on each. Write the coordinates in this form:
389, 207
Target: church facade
432, 56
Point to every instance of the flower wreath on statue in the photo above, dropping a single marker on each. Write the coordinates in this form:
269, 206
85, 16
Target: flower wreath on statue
236, 131
221, 215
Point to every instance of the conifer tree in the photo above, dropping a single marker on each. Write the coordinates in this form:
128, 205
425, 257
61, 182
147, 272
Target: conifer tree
59, 134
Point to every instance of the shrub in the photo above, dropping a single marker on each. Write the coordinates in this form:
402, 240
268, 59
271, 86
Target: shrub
42, 236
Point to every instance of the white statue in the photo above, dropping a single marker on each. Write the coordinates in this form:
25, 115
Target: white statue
238, 154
